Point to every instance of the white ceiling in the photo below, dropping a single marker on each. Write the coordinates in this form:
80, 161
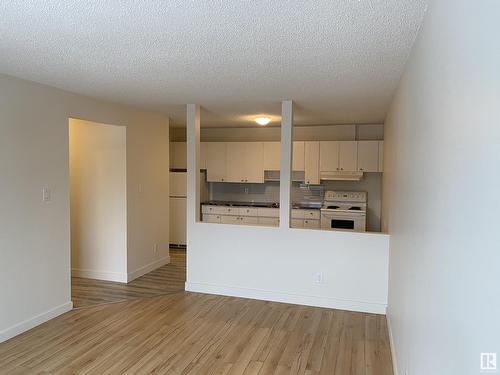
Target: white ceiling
340, 61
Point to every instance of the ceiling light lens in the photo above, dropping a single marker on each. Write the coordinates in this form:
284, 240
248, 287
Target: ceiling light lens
262, 120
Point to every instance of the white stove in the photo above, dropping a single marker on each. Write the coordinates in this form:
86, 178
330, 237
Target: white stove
344, 210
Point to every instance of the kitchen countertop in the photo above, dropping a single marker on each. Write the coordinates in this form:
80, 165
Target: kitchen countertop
259, 204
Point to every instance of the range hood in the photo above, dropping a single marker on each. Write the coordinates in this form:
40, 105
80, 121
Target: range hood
341, 176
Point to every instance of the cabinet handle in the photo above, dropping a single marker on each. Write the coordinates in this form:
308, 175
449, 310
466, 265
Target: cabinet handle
337, 169
360, 169
222, 179
341, 169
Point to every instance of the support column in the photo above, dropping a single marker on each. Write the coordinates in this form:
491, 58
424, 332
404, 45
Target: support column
286, 162
193, 163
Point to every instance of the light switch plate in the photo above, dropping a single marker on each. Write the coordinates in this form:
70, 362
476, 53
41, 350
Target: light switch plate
45, 194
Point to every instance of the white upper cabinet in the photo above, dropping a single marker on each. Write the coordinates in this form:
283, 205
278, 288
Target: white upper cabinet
235, 160
338, 156
245, 162
272, 156
254, 162
348, 155
178, 155
311, 161
216, 161
381, 156
328, 156
368, 156
298, 163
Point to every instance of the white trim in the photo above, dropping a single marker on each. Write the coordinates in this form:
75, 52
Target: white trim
99, 275
393, 347
147, 268
30, 323
286, 297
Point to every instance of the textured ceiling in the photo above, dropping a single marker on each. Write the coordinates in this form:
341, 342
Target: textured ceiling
340, 61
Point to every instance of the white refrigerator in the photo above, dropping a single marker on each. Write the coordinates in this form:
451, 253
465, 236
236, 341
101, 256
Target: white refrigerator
178, 208
178, 193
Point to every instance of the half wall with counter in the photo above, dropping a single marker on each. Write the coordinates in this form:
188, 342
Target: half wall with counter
346, 270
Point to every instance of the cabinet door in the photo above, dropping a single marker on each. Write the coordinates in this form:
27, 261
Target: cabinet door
368, 156
177, 221
209, 218
269, 221
272, 156
298, 156
216, 161
230, 219
311, 161
249, 220
381, 156
178, 155
235, 162
328, 156
348, 155
311, 223
203, 155
253, 165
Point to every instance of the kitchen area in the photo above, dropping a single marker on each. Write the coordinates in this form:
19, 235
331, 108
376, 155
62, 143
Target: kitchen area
336, 179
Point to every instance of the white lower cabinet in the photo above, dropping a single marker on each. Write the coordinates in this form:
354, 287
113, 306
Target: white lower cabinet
249, 220
269, 221
211, 218
226, 219
240, 215
302, 218
312, 224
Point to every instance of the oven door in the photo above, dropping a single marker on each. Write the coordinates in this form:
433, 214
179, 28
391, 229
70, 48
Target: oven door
342, 221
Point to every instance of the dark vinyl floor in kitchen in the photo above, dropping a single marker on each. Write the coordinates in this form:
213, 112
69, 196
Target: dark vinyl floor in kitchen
167, 279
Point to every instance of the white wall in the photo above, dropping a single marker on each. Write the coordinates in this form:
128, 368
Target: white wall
442, 186
34, 236
281, 264
98, 200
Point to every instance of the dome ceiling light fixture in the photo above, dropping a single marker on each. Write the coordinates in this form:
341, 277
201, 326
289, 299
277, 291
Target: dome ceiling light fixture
263, 121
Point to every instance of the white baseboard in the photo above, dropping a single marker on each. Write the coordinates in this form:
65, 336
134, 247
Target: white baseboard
148, 268
99, 275
30, 323
393, 348
298, 299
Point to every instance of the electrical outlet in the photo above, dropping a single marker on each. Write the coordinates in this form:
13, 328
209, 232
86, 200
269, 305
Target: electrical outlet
318, 278
155, 248
245, 190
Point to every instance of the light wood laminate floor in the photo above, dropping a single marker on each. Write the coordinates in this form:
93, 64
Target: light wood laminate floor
166, 279
190, 333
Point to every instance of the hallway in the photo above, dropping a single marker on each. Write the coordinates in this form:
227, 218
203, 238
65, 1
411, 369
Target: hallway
167, 279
